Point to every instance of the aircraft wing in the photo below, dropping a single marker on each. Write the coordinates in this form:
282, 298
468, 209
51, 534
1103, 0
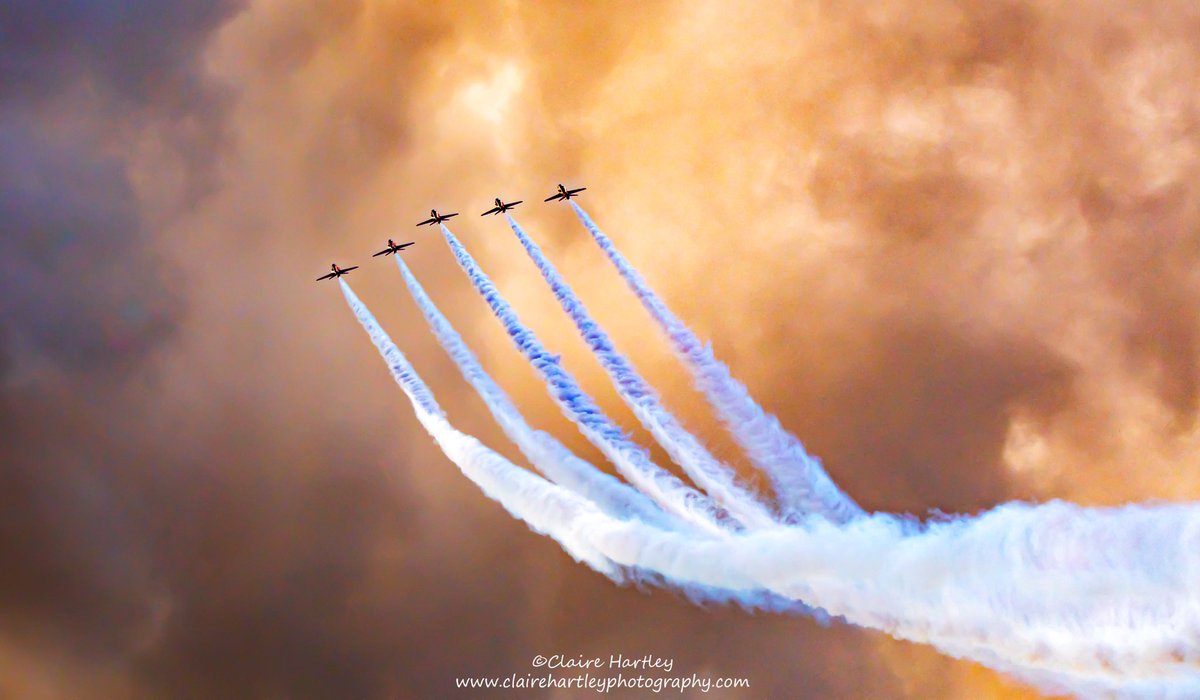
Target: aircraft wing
493, 210
325, 277
447, 216
385, 251
513, 204
551, 199
402, 246
347, 269
427, 221
575, 191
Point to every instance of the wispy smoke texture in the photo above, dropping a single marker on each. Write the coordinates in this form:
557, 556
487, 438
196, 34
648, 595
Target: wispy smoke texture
547, 454
527, 497
803, 485
952, 245
716, 478
1087, 601
675, 496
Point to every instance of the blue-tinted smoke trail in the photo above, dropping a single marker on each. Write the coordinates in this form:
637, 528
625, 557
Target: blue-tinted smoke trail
630, 459
1084, 600
799, 480
543, 506
549, 455
1091, 601
563, 515
714, 477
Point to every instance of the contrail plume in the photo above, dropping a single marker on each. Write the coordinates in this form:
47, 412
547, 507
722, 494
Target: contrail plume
799, 479
550, 456
1086, 600
1099, 601
706, 471
630, 459
527, 496
1091, 601
547, 508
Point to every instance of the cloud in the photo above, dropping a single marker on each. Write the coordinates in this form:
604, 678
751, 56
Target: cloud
924, 233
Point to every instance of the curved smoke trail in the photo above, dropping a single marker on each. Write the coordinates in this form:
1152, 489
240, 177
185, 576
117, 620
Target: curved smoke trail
800, 482
630, 459
1090, 601
711, 475
527, 496
563, 515
550, 456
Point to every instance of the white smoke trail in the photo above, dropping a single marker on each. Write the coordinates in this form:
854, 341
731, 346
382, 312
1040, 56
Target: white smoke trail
714, 477
1090, 601
799, 480
527, 496
1082, 600
630, 459
550, 456
563, 515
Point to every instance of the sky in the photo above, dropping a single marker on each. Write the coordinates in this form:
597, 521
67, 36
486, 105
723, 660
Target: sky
951, 244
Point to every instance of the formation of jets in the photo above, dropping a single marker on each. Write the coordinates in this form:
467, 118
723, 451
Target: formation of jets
393, 248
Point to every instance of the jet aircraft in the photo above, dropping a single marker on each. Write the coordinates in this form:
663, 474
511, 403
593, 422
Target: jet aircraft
436, 218
393, 247
500, 207
337, 272
564, 194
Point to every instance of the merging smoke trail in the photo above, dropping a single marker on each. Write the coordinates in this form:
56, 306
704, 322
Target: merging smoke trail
568, 518
1090, 601
550, 456
527, 496
714, 477
632, 461
800, 482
